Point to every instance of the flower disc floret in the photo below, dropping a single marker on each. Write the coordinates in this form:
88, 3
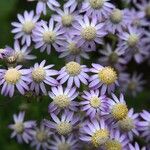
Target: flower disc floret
19, 127
96, 4
28, 27
116, 16
67, 20
132, 40
113, 145
64, 146
95, 102
72, 47
49, 37
41, 136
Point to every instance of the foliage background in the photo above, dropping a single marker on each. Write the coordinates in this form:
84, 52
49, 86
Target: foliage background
38, 110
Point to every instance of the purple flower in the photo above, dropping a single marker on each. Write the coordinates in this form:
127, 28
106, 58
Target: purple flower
88, 32
64, 125
41, 75
115, 58
129, 124
95, 132
41, 138
14, 77
74, 73
22, 53
63, 99
144, 125
72, 52
136, 147
22, 129
46, 35
104, 77
5, 52
97, 8
93, 103
23, 29
117, 141
64, 143
116, 21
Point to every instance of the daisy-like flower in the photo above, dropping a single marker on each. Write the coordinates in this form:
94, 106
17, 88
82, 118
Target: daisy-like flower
74, 73
14, 77
63, 99
116, 21
23, 29
118, 108
22, 129
46, 35
97, 8
5, 52
114, 58
72, 52
136, 147
66, 17
64, 143
129, 124
104, 77
42, 5
22, 53
65, 125
41, 75
41, 138
134, 84
116, 141
93, 103
88, 32
144, 125
95, 133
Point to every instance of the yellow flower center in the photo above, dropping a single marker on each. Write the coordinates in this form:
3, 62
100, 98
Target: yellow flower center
132, 40
12, 76
119, 111
127, 124
95, 102
100, 137
64, 128
107, 75
41, 136
62, 101
73, 68
72, 47
88, 33
28, 27
64, 146
116, 16
113, 145
96, 4
38, 74
147, 11
49, 37
67, 20
19, 127
20, 57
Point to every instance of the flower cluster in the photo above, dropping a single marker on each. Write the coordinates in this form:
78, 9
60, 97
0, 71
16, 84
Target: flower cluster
85, 110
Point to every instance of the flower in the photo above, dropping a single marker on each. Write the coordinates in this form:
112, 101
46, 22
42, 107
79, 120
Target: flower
72, 52
93, 103
22, 129
47, 35
41, 137
129, 124
116, 21
136, 147
97, 8
117, 141
64, 143
22, 53
74, 73
63, 99
41, 75
88, 32
65, 125
118, 108
14, 77
23, 29
105, 77
5, 52
114, 58
95, 132
144, 125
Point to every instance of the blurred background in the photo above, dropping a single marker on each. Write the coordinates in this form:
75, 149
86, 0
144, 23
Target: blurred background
37, 107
